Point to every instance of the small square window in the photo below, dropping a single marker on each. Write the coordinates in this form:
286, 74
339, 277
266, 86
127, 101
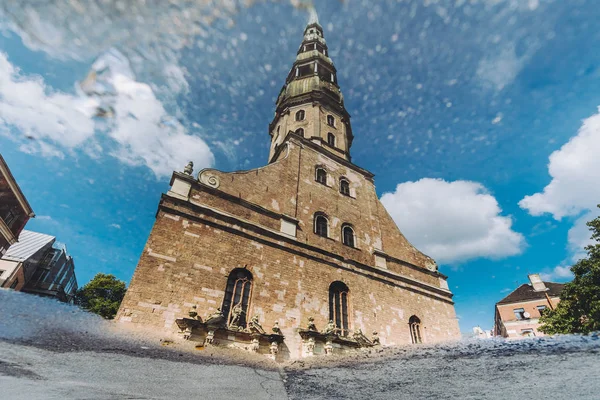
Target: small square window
541, 309
519, 313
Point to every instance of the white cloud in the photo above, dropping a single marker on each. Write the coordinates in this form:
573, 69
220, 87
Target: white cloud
38, 112
574, 189
453, 221
116, 226
559, 273
142, 131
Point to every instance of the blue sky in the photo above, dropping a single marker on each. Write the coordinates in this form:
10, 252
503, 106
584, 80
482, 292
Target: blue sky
456, 108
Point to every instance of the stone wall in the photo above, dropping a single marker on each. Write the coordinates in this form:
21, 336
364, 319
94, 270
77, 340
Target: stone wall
235, 220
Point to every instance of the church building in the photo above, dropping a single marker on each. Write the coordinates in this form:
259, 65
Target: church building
297, 258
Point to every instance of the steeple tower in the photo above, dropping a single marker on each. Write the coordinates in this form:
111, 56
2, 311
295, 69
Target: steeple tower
311, 104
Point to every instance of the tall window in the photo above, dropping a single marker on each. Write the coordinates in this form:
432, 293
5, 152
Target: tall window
348, 236
300, 115
344, 187
338, 306
300, 132
321, 225
519, 313
237, 296
414, 324
321, 176
330, 120
331, 139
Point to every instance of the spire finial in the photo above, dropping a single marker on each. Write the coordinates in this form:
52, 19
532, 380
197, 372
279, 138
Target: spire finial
313, 18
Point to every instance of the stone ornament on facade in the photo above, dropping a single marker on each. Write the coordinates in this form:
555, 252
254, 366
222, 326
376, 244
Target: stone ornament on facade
375, 339
209, 179
236, 316
310, 346
189, 168
255, 326
210, 338
276, 329
311, 324
255, 344
215, 319
273, 349
329, 346
330, 329
193, 313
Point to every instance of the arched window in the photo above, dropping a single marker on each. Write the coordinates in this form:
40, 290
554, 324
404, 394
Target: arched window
338, 306
348, 235
321, 225
415, 329
331, 139
300, 132
344, 187
330, 120
237, 297
300, 115
321, 176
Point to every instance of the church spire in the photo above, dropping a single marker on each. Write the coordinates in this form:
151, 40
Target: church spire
313, 17
312, 96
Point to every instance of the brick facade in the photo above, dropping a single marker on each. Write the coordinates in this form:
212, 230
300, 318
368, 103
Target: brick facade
262, 220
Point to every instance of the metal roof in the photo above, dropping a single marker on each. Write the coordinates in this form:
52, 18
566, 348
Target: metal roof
29, 243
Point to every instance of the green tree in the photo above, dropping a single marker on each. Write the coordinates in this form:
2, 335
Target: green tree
102, 295
579, 307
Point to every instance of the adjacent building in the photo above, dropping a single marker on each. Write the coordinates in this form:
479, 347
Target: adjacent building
15, 211
38, 264
517, 315
293, 259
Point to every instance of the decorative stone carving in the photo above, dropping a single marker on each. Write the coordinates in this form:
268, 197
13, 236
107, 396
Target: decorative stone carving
215, 319
274, 349
375, 339
254, 325
330, 329
187, 333
210, 337
189, 168
255, 344
311, 324
276, 328
236, 315
310, 346
329, 346
193, 313
210, 180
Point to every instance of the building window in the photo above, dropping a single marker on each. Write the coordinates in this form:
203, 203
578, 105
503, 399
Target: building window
519, 313
414, 324
15, 283
321, 176
10, 217
321, 225
330, 120
527, 332
348, 236
338, 307
541, 309
237, 297
331, 139
300, 115
344, 187
300, 132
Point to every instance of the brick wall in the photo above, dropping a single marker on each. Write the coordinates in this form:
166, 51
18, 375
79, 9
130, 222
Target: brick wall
195, 243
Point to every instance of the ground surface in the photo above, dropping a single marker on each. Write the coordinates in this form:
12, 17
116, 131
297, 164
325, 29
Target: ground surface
49, 351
